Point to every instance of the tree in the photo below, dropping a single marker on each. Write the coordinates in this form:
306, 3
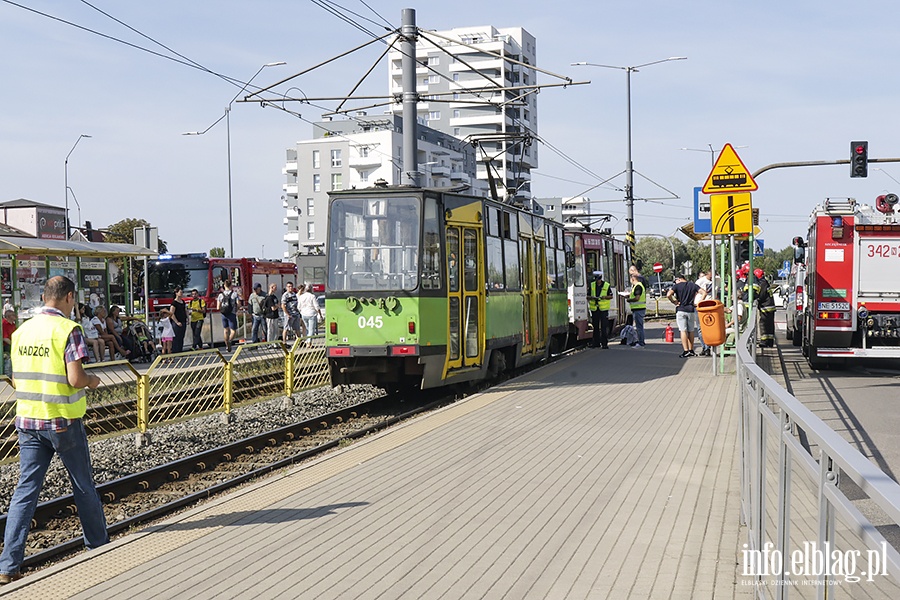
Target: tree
217, 252
123, 232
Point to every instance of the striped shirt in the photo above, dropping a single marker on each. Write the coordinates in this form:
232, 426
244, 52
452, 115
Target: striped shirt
76, 349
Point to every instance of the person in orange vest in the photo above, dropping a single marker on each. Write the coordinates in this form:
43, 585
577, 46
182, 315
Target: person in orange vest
599, 298
47, 354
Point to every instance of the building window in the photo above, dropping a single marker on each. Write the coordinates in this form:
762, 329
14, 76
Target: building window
315, 159
336, 183
364, 176
317, 183
433, 61
456, 77
310, 207
336, 158
456, 131
424, 81
456, 95
310, 230
456, 114
364, 151
434, 79
434, 115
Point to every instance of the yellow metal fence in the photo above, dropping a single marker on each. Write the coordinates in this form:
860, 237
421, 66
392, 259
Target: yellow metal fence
176, 387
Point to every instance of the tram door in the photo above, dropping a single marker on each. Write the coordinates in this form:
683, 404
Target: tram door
534, 290
465, 295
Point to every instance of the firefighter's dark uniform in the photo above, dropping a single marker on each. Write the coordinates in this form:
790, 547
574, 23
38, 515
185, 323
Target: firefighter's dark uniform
766, 304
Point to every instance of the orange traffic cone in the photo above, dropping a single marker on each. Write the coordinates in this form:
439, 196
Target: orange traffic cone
670, 333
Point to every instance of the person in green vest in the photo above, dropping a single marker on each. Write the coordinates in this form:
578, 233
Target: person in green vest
599, 297
47, 354
637, 299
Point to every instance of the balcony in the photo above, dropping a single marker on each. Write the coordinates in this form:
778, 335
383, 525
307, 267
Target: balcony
291, 189
460, 177
292, 237
290, 168
364, 162
440, 171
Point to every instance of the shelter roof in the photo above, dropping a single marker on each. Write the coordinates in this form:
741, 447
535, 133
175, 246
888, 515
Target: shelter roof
17, 245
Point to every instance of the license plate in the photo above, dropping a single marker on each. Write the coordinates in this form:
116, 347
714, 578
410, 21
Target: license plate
834, 306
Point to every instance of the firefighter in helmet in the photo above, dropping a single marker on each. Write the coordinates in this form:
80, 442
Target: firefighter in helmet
766, 304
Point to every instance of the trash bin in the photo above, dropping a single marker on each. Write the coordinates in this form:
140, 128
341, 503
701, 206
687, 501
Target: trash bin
712, 322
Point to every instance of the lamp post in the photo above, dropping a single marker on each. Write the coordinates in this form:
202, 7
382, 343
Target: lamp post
227, 117
629, 168
67, 183
712, 152
75, 198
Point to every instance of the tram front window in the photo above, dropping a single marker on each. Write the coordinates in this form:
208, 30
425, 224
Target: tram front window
374, 244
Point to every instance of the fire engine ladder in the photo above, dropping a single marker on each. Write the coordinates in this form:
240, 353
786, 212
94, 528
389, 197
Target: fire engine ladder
840, 206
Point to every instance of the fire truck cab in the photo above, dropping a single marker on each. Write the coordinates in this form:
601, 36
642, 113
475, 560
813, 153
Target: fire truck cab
853, 308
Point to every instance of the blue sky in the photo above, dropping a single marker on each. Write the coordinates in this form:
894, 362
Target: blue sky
781, 81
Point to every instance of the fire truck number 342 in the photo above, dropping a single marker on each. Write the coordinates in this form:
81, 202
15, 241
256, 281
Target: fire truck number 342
882, 250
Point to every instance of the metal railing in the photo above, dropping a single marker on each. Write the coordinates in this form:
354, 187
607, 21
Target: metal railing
806, 537
181, 386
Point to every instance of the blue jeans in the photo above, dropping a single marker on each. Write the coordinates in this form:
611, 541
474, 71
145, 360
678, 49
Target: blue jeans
311, 326
639, 323
258, 323
36, 448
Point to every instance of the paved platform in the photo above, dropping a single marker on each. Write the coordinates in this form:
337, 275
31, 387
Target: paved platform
610, 474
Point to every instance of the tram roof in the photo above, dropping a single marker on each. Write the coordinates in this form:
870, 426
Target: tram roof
19, 245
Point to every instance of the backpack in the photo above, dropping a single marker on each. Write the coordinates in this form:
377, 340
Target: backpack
227, 304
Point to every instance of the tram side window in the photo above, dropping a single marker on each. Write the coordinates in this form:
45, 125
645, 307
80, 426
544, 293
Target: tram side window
561, 280
494, 254
470, 262
511, 264
609, 265
551, 269
431, 248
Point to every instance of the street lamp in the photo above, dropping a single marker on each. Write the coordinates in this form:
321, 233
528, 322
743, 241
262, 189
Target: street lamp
629, 168
76, 204
227, 117
67, 184
712, 152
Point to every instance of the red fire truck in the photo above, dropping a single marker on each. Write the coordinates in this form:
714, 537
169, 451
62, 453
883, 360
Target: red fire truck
852, 284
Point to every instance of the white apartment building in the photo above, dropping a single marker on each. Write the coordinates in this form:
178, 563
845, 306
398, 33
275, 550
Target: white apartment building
459, 85
355, 153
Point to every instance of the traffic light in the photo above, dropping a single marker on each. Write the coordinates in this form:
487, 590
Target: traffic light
743, 251
859, 159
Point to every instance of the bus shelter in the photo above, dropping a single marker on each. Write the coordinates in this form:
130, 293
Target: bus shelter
101, 272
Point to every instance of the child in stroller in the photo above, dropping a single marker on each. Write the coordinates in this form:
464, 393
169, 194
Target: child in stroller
142, 341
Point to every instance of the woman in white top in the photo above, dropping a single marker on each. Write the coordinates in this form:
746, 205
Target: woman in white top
112, 343
309, 311
91, 336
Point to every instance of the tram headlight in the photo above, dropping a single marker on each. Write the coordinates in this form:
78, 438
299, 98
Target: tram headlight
862, 313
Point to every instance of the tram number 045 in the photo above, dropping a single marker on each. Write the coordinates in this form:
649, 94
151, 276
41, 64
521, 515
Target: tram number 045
882, 250
373, 322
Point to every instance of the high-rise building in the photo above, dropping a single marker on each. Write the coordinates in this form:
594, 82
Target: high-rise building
460, 77
355, 153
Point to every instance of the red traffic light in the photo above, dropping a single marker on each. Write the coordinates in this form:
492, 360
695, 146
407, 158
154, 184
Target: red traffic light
860, 149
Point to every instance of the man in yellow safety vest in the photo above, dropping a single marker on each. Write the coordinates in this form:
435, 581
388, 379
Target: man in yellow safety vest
598, 303
638, 302
47, 354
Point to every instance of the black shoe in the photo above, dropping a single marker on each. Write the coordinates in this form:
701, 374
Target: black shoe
691, 353
685, 354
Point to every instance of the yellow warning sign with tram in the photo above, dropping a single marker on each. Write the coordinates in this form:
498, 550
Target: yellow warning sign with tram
729, 175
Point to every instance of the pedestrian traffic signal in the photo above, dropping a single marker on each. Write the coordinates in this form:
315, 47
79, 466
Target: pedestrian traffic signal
859, 159
743, 251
